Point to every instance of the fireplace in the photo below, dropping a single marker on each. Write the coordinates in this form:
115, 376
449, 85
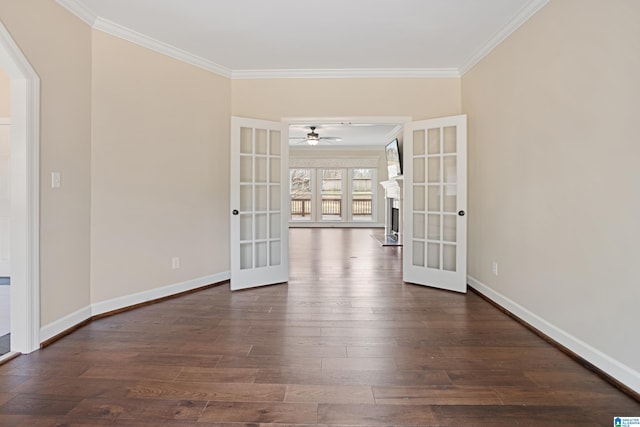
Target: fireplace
395, 222
393, 209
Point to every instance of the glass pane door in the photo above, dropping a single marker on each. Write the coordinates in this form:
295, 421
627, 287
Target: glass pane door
435, 203
258, 223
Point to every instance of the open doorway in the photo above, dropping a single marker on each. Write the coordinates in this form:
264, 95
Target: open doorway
24, 142
435, 198
338, 171
5, 216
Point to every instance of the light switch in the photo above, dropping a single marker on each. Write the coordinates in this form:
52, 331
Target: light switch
55, 179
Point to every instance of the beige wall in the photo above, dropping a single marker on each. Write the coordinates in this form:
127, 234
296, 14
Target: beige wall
58, 46
273, 99
553, 171
160, 165
5, 95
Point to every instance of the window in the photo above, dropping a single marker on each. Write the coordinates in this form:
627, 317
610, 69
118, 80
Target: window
362, 194
301, 194
333, 194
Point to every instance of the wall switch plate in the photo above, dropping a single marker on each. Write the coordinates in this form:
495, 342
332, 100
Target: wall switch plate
175, 263
55, 179
494, 268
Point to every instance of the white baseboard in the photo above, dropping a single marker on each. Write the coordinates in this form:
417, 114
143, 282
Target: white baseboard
619, 371
72, 320
64, 324
153, 294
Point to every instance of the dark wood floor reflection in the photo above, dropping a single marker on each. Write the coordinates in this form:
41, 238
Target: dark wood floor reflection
344, 343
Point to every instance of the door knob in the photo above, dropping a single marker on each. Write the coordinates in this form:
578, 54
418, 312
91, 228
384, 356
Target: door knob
461, 213
235, 212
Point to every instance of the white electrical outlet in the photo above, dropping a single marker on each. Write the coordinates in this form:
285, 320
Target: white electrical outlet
494, 268
175, 263
55, 179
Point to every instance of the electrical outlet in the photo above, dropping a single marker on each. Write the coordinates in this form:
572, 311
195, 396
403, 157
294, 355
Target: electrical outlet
494, 268
55, 179
175, 263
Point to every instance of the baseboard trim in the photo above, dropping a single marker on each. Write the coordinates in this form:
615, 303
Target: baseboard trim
9, 356
67, 324
617, 373
136, 299
64, 325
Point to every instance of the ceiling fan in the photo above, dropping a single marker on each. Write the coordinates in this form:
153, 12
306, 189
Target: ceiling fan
313, 138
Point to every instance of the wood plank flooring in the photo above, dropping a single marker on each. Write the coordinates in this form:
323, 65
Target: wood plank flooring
344, 343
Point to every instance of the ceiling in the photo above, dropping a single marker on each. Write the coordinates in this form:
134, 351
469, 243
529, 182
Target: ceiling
312, 38
351, 135
316, 38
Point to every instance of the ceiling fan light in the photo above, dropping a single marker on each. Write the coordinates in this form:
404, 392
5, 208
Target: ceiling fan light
313, 141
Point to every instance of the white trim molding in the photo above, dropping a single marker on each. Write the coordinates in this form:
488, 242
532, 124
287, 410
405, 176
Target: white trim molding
79, 10
163, 48
74, 319
154, 294
88, 16
347, 73
514, 23
25, 195
351, 120
65, 323
117, 30
622, 373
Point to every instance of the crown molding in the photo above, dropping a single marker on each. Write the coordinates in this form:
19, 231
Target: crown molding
394, 133
140, 39
117, 30
520, 18
79, 10
346, 73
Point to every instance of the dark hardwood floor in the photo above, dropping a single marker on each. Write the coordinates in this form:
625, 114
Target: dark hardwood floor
345, 342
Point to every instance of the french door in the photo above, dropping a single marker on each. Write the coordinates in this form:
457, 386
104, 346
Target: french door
259, 208
435, 199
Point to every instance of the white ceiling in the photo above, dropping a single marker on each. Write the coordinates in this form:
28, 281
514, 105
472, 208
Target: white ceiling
313, 38
316, 38
352, 135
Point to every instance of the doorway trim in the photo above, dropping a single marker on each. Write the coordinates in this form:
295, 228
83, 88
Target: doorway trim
388, 120
25, 195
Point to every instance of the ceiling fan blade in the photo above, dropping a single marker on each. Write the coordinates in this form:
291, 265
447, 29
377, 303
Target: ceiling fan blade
331, 138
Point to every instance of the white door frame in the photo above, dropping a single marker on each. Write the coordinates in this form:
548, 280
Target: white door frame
382, 120
25, 195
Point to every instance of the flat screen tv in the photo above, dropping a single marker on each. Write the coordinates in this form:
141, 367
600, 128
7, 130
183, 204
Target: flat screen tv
394, 159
